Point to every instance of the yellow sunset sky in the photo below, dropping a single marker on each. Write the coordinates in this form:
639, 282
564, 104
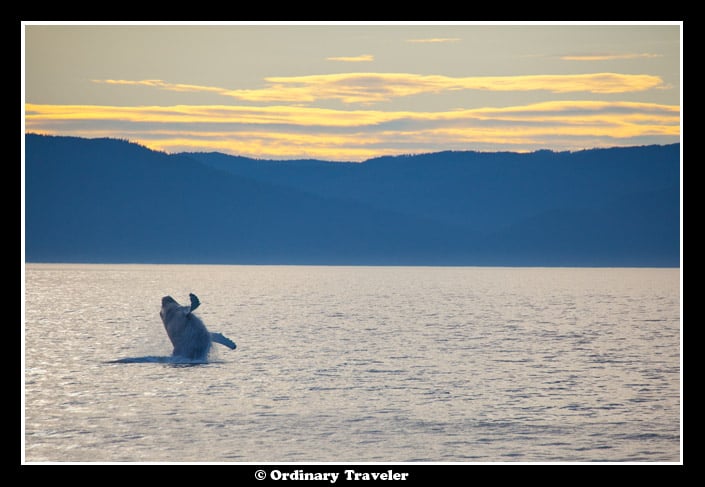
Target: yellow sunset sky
348, 92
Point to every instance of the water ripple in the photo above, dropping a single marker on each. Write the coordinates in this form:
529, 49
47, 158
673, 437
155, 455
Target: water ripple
355, 364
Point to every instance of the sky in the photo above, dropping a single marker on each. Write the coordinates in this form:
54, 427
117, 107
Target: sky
351, 92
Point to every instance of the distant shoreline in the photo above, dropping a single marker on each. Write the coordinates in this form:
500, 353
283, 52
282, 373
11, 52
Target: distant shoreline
185, 264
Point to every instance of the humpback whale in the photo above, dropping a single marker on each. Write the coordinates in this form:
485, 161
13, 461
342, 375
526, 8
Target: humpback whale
189, 336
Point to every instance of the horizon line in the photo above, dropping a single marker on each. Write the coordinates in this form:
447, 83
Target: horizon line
400, 154
281, 264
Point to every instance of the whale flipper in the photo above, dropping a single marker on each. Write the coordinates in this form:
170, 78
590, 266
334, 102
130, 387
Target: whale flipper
223, 340
195, 303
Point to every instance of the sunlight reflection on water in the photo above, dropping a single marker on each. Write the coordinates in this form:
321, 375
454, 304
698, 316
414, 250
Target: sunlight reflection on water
355, 364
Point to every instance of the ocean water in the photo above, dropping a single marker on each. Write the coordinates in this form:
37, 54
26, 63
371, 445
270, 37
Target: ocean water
355, 364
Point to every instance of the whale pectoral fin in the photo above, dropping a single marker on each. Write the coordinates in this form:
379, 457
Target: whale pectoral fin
223, 340
195, 303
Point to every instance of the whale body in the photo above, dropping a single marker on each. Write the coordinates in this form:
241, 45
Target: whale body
189, 336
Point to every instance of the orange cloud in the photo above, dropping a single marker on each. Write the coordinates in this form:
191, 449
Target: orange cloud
353, 59
608, 57
295, 131
161, 84
370, 88
292, 115
554, 111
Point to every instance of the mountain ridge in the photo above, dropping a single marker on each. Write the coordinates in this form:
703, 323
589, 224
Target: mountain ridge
109, 200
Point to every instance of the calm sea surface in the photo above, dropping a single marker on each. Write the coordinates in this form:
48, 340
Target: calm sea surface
355, 364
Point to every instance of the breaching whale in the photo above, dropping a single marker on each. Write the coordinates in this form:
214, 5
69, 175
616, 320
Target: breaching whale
189, 336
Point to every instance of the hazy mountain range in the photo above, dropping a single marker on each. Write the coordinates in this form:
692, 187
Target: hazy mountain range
107, 200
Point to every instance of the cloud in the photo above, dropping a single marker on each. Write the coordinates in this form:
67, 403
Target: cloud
434, 40
368, 88
608, 57
161, 84
555, 111
353, 59
298, 132
379, 87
